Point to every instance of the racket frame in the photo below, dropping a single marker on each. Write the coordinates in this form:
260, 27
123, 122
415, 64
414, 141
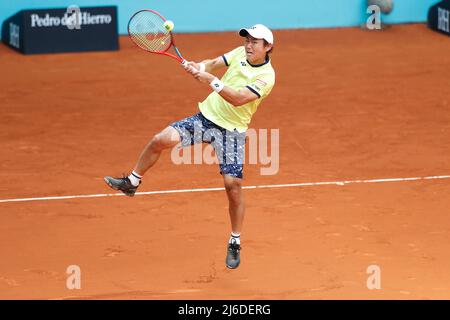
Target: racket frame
177, 57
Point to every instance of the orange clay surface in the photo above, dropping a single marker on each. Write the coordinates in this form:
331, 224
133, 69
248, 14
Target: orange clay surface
350, 104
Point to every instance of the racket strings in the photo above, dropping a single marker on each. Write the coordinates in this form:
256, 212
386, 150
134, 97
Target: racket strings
148, 32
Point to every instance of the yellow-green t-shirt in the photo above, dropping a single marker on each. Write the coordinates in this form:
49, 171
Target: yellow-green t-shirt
259, 79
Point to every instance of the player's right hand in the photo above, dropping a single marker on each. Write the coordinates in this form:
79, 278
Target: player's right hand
192, 67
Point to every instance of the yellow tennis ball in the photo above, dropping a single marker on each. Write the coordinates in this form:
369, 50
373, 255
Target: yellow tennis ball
169, 25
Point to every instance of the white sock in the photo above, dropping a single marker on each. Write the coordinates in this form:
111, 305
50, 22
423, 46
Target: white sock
235, 237
135, 179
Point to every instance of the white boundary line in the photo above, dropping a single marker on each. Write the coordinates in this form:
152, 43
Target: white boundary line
272, 186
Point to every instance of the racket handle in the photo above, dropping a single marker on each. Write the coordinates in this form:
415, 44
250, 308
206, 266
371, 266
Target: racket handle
184, 64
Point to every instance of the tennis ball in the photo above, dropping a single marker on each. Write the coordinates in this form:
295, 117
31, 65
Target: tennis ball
169, 25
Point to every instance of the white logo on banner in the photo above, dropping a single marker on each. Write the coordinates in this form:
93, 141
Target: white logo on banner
443, 20
78, 18
14, 35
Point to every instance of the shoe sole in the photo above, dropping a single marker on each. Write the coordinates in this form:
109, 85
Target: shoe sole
231, 267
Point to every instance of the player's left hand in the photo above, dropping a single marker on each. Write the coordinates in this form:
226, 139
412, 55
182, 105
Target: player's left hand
193, 65
190, 68
203, 77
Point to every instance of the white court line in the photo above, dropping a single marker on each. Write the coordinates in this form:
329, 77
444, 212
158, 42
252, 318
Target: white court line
272, 186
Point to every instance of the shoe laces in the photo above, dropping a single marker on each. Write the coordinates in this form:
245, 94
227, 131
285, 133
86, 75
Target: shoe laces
128, 181
234, 248
125, 177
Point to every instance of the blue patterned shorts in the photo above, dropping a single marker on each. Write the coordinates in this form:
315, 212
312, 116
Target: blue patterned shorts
228, 145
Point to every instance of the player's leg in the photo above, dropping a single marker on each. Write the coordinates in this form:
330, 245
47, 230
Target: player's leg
168, 138
232, 153
233, 187
165, 139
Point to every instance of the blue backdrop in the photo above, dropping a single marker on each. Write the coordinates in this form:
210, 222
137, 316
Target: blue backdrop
209, 15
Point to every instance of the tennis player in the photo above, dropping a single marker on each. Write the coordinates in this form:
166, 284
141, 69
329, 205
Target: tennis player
226, 112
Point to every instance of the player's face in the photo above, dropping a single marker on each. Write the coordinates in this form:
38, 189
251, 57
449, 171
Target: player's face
255, 50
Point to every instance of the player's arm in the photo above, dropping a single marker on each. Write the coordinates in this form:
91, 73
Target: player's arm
235, 97
214, 64
210, 65
238, 98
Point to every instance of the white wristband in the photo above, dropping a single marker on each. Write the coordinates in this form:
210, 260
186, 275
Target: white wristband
202, 67
217, 85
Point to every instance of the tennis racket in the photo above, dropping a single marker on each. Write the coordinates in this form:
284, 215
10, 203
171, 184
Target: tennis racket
146, 30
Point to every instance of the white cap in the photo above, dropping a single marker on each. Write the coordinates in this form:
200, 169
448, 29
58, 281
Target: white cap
258, 31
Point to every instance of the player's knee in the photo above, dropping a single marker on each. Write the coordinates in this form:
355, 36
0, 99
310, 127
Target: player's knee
232, 185
167, 138
157, 142
163, 140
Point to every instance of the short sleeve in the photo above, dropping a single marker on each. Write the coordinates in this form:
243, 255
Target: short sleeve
261, 85
229, 57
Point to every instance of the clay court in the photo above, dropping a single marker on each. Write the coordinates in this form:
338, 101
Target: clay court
350, 105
